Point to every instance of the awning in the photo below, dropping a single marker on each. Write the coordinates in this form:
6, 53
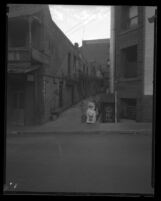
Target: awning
21, 68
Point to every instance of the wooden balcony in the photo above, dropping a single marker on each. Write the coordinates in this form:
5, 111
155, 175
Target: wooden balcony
26, 55
40, 57
18, 55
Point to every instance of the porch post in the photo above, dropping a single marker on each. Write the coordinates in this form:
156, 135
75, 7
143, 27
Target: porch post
30, 35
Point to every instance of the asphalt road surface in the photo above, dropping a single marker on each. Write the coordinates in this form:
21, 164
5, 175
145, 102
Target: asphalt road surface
118, 163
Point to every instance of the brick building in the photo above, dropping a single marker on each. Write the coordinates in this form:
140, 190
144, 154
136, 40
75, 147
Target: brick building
97, 53
131, 54
44, 68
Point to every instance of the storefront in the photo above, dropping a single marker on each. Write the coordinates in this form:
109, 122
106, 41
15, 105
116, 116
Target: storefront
21, 98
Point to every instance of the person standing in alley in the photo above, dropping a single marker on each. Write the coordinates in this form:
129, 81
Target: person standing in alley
91, 113
96, 108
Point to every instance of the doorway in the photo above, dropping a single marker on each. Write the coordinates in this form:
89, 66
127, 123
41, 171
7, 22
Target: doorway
60, 94
128, 108
72, 95
18, 108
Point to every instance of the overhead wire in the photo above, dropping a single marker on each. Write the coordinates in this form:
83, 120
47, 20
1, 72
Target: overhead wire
82, 23
79, 27
78, 24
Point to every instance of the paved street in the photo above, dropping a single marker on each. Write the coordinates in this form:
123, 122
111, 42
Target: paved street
101, 163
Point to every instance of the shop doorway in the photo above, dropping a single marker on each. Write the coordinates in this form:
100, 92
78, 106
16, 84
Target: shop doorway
128, 108
60, 94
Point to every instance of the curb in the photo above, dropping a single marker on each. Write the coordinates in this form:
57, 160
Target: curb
98, 132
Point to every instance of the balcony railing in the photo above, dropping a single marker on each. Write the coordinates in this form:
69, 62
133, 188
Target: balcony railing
25, 55
18, 55
40, 57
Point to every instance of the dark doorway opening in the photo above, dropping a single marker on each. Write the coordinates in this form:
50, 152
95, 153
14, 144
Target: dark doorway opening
128, 108
60, 94
18, 107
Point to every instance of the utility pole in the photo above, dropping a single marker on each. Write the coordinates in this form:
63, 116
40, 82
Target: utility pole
115, 101
151, 20
115, 75
5, 100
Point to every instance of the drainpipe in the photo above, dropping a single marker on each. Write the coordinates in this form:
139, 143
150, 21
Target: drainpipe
30, 36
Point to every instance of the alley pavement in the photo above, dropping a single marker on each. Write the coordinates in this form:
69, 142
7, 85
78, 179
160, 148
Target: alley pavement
70, 122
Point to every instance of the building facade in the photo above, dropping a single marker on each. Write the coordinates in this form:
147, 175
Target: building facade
132, 46
96, 52
44, 69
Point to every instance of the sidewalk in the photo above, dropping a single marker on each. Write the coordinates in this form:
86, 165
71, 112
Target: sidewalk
70, 122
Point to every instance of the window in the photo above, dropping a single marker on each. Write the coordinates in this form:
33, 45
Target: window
18, 100
74, 63
129, 61
17, 33
83, 68
51, 46
36, 35
87, 70
69, 63
10, 56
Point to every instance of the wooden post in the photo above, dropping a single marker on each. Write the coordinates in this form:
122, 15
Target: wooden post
30, 35
153, 19
115, 106
154, 99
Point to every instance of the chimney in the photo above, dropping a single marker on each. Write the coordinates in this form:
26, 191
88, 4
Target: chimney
76, 45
